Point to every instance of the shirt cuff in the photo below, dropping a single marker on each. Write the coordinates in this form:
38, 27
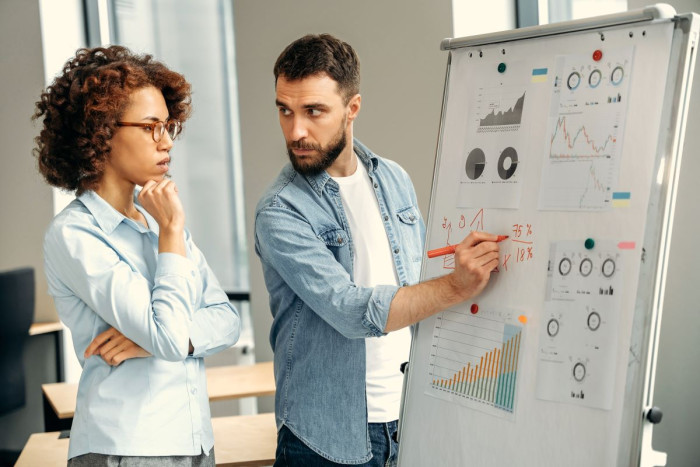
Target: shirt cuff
378, 309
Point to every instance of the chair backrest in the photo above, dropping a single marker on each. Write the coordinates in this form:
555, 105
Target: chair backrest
16, 316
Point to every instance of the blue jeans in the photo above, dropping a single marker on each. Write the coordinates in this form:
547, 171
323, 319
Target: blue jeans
292, 452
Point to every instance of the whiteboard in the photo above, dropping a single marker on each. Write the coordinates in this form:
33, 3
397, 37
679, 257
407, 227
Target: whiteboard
565, 138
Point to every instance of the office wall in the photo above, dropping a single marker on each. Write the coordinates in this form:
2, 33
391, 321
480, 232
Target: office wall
677, 375
26, 207
403, 74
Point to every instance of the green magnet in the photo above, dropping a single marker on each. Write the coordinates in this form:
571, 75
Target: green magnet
501, 67
589, 243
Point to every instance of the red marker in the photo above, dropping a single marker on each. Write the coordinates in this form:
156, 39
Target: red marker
448, 250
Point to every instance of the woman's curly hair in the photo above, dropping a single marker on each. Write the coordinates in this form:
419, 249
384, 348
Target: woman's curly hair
82, 106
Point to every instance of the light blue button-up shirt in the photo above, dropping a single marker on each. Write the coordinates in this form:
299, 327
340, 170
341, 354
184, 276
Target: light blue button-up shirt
321, 317
104, 270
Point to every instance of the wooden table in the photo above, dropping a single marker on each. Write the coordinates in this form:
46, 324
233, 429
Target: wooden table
44, 449
223, 383
241, 440
45, 327
249, 440
59, 401
236, 381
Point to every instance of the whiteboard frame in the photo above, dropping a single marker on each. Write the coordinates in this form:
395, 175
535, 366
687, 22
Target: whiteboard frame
657, 235
678, 84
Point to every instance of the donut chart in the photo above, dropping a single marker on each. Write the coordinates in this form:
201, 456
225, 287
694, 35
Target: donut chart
507, 163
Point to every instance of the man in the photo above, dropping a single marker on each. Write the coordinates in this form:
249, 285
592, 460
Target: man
340, 239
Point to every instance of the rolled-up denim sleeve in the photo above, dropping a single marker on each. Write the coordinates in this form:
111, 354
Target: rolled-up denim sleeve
291, 253
378, 308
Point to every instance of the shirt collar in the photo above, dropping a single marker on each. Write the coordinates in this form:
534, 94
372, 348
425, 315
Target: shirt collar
318, 182
106, 216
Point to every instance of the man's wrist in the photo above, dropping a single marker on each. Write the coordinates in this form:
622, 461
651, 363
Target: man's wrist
455, 293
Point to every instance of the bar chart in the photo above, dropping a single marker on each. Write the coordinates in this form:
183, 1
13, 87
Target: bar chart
474, 359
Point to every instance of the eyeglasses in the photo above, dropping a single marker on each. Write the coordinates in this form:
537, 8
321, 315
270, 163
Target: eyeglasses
173, 127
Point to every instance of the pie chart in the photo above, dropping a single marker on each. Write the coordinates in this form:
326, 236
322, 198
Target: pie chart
476, 161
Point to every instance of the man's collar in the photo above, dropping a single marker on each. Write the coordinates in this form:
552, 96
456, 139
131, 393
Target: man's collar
364, 155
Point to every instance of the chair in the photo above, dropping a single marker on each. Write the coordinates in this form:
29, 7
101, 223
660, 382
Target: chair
16, 316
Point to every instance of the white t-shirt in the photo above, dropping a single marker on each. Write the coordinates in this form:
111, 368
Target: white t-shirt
373, 265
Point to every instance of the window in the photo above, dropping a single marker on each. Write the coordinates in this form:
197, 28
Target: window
534, 12
576, 9
195, 39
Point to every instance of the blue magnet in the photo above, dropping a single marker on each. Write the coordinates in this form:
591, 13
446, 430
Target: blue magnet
501, 67
589, 243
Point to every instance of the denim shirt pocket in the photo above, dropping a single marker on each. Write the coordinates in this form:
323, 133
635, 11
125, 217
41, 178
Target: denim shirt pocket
337, 241
409, 227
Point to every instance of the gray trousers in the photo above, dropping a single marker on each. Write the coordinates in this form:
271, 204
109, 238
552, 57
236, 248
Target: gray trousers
103, 460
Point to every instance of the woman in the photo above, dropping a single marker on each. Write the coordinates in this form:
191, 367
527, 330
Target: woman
140, 301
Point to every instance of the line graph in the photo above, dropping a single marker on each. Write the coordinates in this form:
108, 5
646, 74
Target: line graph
584, 184
583, 156
593, 184
571, 139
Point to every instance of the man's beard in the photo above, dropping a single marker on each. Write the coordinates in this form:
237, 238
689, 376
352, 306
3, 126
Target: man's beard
326, 156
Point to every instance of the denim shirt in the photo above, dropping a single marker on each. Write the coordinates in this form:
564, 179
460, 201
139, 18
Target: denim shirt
103, 270
320, 317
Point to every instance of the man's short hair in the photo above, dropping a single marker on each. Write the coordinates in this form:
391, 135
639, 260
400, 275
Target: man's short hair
318, 54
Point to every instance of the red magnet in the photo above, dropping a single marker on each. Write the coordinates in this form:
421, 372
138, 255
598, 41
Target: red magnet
597, 55
474, 308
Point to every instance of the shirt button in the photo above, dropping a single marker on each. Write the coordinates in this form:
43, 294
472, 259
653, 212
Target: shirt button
396, 251
194, 391
340, 239
386, 218
376, 186
405, 284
